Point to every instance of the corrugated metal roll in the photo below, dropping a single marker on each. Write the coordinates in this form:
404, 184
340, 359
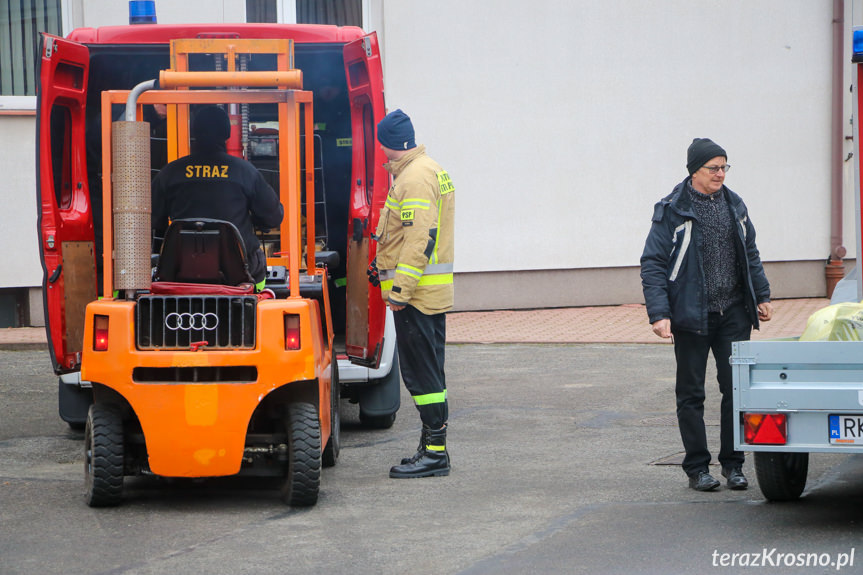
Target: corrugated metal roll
131, 205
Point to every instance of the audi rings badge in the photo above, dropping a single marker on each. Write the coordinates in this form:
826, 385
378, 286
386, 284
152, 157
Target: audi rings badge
191, 321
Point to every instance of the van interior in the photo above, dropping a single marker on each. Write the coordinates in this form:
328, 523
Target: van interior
114, 67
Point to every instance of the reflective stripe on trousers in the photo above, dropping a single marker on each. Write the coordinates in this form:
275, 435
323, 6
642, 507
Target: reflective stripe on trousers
421, 342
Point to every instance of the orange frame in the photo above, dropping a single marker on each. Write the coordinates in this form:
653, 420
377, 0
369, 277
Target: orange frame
178, 121
289, 104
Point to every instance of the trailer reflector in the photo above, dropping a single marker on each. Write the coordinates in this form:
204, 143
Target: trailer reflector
765, 428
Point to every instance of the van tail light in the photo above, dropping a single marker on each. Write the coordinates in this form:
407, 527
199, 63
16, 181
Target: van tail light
100, 333
765, 428
292, 332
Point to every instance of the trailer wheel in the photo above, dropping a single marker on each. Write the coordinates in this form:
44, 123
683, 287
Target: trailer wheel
304, 455
781, 476
334, 443
103, 450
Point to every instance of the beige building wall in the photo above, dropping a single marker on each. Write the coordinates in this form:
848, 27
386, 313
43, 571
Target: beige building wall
562, 122
18, 213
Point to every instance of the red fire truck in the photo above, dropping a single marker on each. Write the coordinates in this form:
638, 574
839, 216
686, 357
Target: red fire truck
340, 66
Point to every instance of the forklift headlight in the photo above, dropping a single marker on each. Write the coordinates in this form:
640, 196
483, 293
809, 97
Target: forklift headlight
292, 332
100, 333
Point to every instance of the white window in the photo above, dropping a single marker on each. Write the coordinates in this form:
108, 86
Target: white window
336, 12
21, 23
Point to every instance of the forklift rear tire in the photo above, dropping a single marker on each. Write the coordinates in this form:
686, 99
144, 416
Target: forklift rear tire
304, 455
781, 476
334, 443
103, 446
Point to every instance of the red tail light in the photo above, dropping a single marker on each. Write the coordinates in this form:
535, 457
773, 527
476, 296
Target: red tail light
100, 333
292, 332
765, 428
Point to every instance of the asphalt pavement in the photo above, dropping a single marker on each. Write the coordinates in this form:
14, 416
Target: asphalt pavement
564, 461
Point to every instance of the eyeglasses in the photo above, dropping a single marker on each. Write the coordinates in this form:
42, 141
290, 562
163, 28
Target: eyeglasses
715, 169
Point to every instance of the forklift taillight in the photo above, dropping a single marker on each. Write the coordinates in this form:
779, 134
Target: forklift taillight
292, 332
100, 333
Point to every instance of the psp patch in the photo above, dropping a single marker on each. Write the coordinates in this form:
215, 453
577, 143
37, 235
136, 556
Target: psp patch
407, 217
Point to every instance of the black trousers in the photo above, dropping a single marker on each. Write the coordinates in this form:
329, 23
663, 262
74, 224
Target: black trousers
691, 351
421, 340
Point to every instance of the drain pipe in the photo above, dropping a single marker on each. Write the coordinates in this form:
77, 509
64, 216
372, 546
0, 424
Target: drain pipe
834, 269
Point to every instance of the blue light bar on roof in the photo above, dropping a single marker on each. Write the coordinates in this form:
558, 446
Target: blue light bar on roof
142, 12
858, 44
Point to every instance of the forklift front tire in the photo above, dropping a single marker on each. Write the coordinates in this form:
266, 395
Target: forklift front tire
103, 445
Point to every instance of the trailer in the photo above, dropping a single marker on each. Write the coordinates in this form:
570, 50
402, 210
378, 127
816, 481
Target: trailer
795, 397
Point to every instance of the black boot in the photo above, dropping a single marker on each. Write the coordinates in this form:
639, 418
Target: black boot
420, 448
431, 462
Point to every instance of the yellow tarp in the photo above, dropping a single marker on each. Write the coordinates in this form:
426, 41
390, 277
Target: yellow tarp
837, 322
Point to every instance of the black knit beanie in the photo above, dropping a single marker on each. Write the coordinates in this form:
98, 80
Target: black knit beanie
211, 126
396, 131
701, 151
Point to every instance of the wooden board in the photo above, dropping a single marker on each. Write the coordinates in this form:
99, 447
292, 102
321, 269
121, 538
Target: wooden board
79, 285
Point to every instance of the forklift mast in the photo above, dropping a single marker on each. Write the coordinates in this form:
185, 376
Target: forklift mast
175, 90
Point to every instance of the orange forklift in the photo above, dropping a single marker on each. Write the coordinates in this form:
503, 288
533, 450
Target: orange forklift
340, 66
193, 373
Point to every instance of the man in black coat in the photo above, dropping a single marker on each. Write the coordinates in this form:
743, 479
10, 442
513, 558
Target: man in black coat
704, 286
210, 183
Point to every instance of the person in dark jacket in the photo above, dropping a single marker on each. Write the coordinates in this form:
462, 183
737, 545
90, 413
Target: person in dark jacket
704, 287
210, 183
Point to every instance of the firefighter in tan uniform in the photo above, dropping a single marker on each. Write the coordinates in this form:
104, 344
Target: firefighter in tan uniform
415, 269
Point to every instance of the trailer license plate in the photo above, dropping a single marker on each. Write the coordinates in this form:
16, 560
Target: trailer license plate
846, 429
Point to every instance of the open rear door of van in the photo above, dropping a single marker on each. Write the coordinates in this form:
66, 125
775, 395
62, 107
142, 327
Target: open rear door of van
66, 238
369, 188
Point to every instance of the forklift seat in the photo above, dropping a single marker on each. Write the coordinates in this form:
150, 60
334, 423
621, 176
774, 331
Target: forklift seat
203, 251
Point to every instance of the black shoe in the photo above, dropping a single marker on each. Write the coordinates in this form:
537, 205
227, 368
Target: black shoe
736, 479
703, 481
431, 464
